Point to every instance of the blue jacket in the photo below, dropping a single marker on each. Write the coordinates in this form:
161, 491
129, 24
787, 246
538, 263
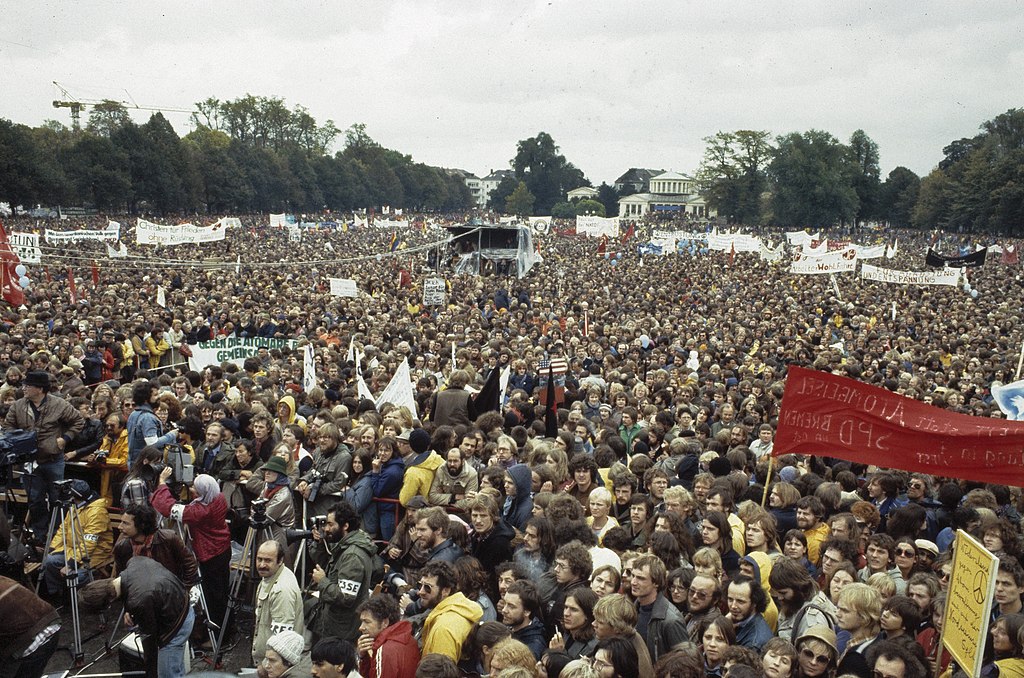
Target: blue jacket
142, 424
388, 481
532, 636
753, 632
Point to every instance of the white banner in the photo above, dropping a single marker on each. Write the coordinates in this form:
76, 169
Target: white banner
390, 223
434, 292
26, 247
148, 233
343, 287
540, 225
111, 232
294, 233
229, 222
725, 242
873, 252
120, 253
946, 276
769, 254
595, 227
278, 220
661, 234
231, 350
399, 390
842, 261
801, 237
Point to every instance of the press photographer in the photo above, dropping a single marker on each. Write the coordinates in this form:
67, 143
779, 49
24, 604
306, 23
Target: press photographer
56, 424
206, 517
82, 540
344, 557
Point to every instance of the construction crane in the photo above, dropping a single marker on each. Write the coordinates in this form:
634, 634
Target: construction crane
76, 105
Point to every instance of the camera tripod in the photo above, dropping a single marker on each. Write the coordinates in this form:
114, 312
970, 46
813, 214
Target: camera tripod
259, 529
65, 517
197, 590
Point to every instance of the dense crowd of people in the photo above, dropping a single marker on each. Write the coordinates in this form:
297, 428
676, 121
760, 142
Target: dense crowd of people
639, 533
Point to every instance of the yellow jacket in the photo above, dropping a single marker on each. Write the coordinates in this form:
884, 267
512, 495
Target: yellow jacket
95, 541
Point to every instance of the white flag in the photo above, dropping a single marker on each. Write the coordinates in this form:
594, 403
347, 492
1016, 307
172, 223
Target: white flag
161, 297
308, 368
238, 265
503, 380
351, 355
361, 388
1010, 398
399, 390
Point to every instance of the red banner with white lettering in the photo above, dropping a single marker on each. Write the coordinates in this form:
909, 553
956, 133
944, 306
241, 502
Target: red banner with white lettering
831, 416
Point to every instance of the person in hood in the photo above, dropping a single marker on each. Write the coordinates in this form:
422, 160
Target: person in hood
343, 554
518, 507
387, 471
287, 414
386, 647
757, 565
421, 464
452, 615
521, 614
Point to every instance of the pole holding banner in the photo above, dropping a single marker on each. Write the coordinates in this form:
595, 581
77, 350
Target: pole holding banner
1020, 361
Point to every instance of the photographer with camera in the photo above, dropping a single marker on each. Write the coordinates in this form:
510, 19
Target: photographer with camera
206, 517
56, 424
82, 545
279, 507
112, 455
142, 478
332, 463
344, 556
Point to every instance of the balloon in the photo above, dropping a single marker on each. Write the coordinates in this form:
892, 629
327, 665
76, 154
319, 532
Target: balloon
20, 270
23, 281
615, 262
974, 294
967, 287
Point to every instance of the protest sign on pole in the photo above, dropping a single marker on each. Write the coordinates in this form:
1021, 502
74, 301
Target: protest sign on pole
972, 586
434, 292
308, 368
839, 417
343, 287
26, 246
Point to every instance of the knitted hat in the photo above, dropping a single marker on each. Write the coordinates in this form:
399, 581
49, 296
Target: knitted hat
419, 441
277, 465
288, 644
788, 474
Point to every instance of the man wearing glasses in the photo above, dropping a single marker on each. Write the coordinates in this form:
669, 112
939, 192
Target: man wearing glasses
452, 615
703, 604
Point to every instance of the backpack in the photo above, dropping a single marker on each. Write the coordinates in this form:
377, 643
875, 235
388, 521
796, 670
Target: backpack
832, 621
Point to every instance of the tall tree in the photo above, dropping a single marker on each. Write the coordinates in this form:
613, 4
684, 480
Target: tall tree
521, 201
897, 197
545, 171
865, 174
810, 181
733, 173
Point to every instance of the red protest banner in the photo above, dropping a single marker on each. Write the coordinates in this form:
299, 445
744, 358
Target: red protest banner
832, 416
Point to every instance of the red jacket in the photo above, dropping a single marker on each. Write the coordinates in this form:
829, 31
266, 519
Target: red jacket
208, 525
395, 654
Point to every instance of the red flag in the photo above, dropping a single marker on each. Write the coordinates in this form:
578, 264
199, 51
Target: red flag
839, 417
603, 245
71, 286
1010, 255
550, 407
46, 270
629, 232
95, 275
732, 254
12, 292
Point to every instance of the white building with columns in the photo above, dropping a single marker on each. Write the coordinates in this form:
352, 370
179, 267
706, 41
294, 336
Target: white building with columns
668, 192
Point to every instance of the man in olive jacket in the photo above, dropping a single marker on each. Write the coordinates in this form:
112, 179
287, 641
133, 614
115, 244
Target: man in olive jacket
344, 557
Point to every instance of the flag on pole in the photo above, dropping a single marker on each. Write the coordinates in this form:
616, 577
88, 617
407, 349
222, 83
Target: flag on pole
503, 381
1010, 255
1010, 398
399, 390
602, 246
551, 408
71, 286
489, 397
395, 242
351, 355
362, 390
238, 265
629, 232
95, 275
308, 368
161, 297
12, 292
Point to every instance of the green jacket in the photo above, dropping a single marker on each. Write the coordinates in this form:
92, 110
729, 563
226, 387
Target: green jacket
349, 566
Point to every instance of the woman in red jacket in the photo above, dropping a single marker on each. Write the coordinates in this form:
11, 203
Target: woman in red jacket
206, 517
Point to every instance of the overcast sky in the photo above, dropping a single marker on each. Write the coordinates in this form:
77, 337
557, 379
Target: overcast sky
617, 84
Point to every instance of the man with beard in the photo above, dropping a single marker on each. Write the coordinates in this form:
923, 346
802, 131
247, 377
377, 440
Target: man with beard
809, 514
801, 604
453, 481
521, 614
452, 615
344, 562
747, 602
571, 569
658, 621
702, 600
431, 534
278, 599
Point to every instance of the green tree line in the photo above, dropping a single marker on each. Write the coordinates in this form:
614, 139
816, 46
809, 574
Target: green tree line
812, 179
248, 155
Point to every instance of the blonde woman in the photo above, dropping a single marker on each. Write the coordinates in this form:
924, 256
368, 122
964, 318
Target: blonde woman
600, 519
